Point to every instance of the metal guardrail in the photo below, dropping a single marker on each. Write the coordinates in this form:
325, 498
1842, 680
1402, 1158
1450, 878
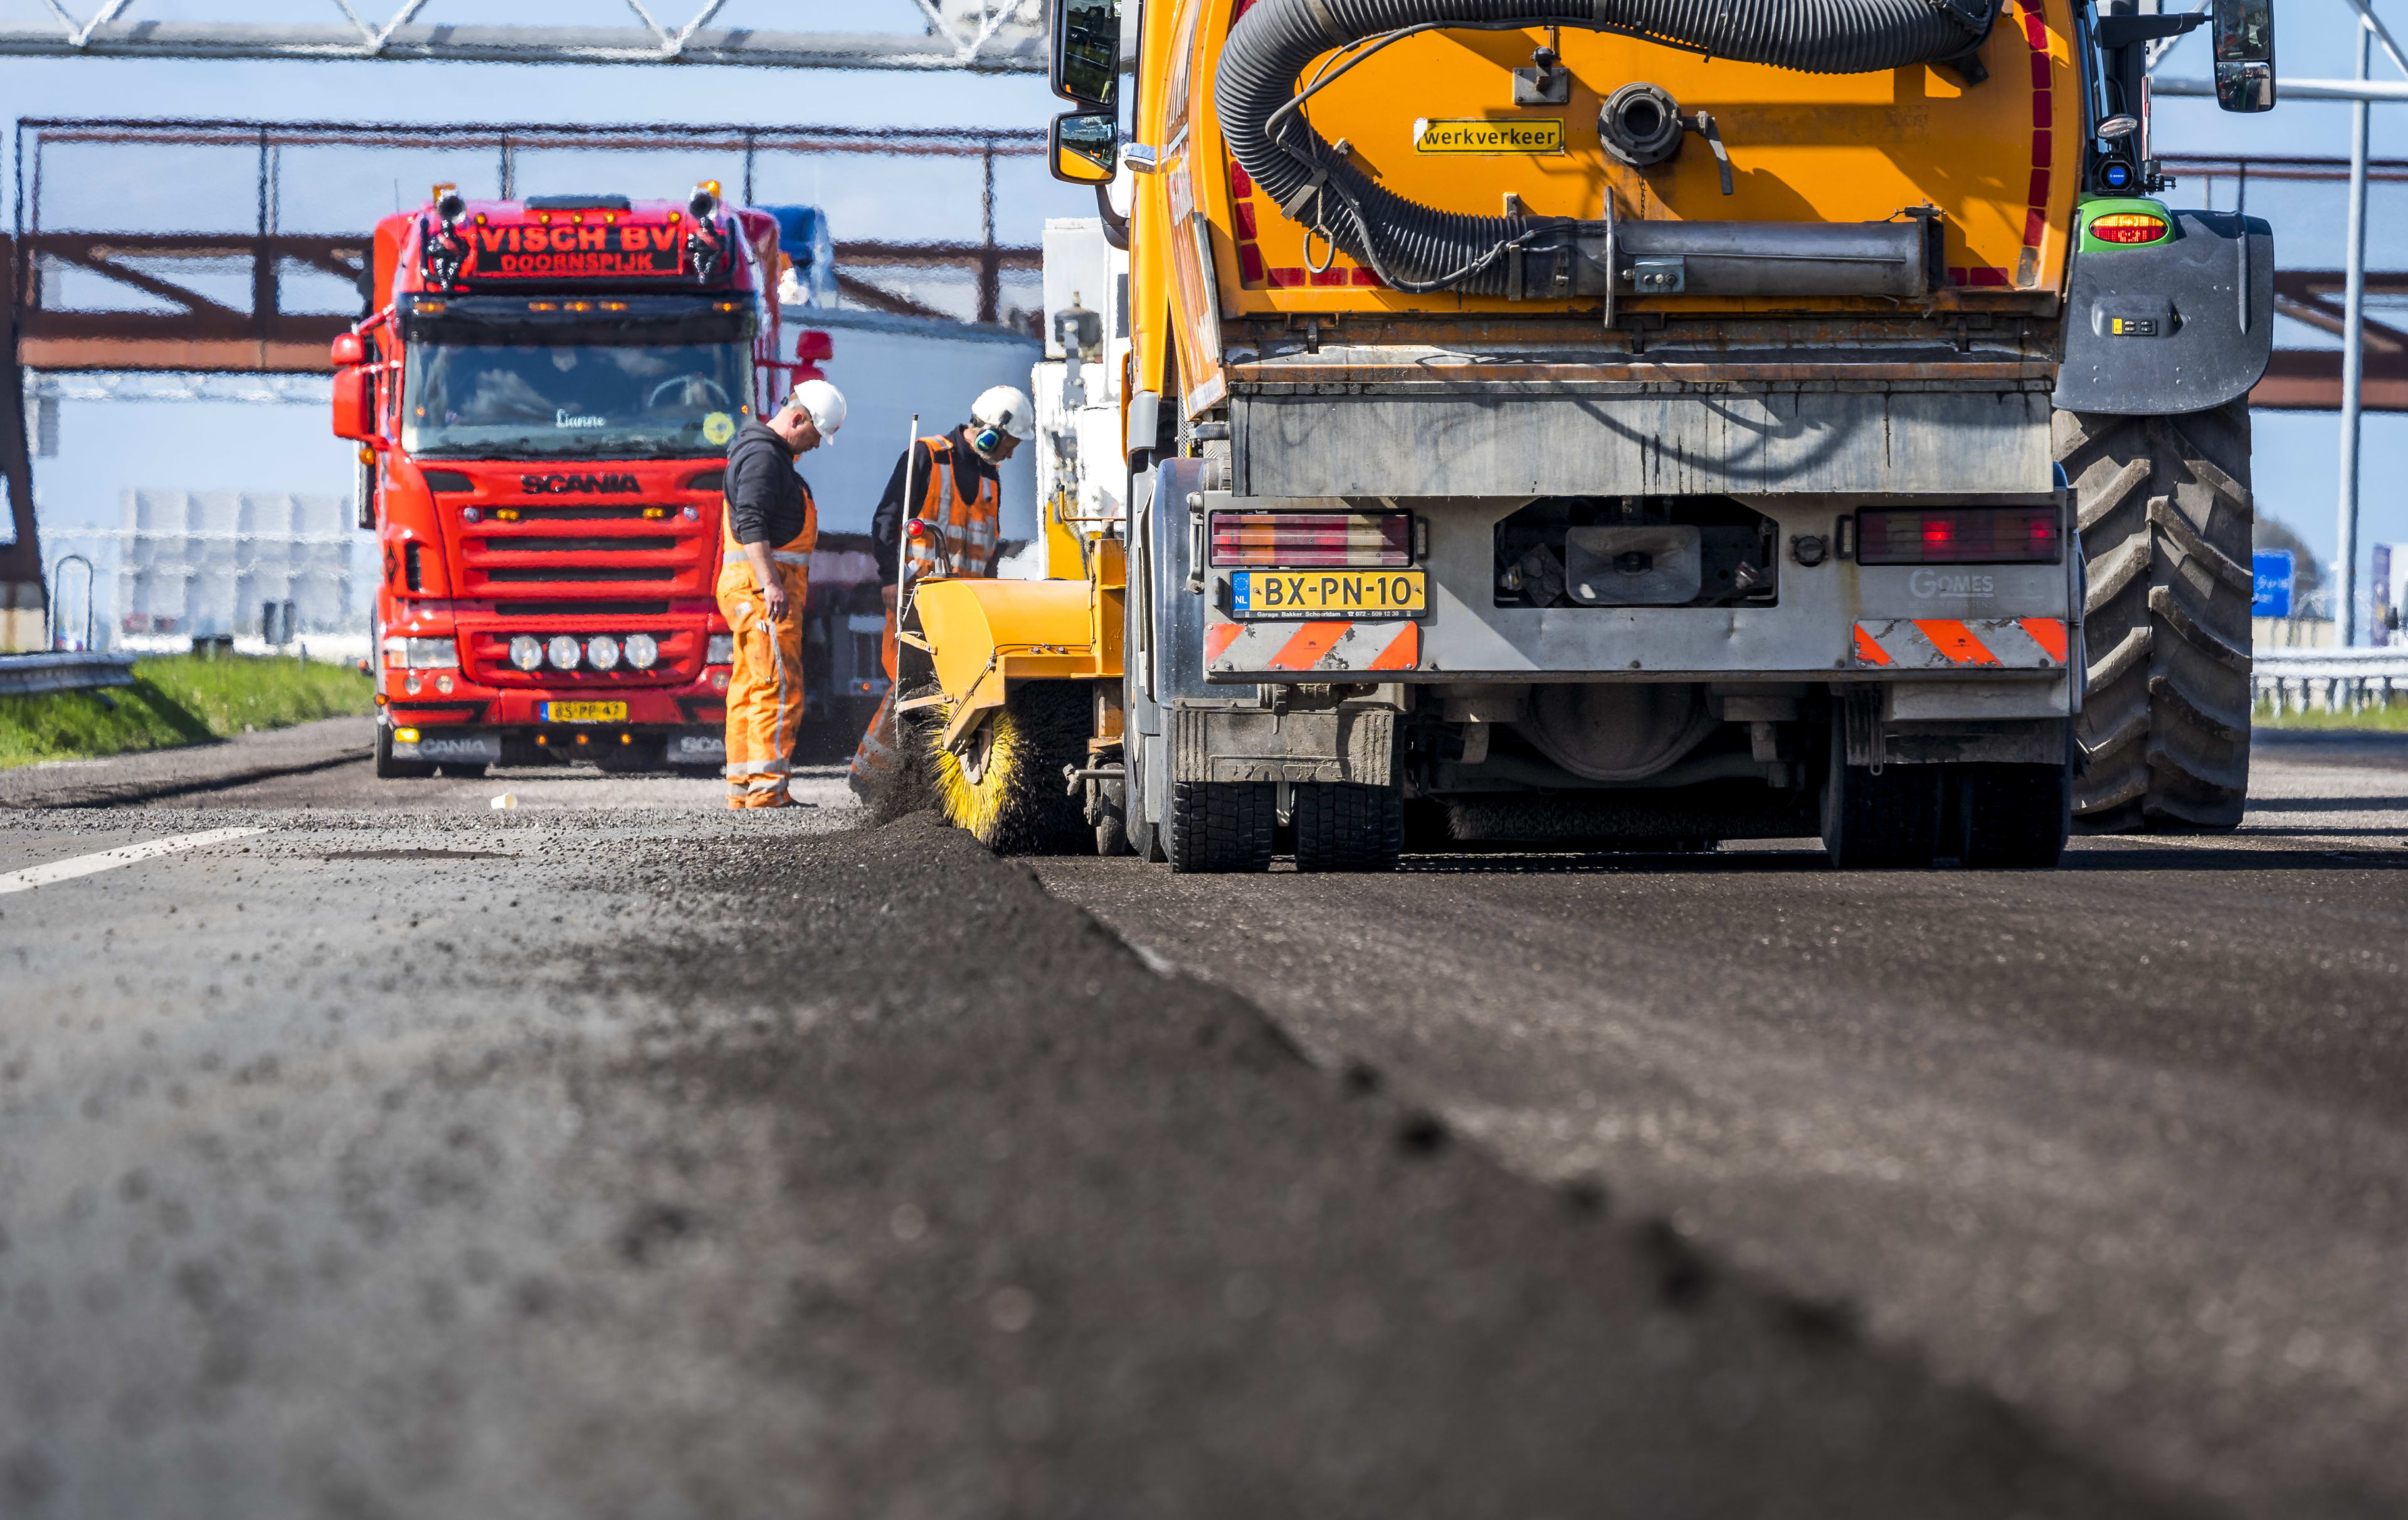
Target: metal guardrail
22, 675
2333, 680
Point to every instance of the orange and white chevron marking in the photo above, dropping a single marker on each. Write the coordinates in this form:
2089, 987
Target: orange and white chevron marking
1961, 644
1324, 645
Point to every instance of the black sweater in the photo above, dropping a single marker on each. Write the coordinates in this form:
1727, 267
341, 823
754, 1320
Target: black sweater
764, 494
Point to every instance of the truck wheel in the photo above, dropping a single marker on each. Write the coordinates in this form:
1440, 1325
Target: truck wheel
2012, 817
1349, 828
2165, 517
1006, 786
390, 769
1221, 826
1888, 821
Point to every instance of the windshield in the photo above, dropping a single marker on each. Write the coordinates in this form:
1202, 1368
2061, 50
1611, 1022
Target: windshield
636, 378
617, 401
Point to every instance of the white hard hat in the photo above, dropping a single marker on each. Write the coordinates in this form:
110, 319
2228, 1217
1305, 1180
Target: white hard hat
825, 402
1007, 409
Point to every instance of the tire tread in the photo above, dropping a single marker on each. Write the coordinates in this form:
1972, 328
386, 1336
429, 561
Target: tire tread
2163, 503
1349, 828
1222, 827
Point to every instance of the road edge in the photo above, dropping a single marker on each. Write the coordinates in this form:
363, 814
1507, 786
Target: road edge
90, 784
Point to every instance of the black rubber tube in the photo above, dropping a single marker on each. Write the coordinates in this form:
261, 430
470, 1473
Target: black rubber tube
1415, 247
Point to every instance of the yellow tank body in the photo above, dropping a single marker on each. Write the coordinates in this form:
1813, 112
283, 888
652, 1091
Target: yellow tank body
1996, 160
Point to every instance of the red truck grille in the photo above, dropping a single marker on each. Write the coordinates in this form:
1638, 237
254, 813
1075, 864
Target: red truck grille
562, 557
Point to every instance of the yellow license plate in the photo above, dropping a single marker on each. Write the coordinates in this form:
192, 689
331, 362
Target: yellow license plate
585, 712
1327, 594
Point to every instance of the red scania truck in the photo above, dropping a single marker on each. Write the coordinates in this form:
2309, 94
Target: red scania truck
543, 395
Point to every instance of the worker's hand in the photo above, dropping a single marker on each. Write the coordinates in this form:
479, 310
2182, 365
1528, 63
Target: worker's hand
888, 594
776, 602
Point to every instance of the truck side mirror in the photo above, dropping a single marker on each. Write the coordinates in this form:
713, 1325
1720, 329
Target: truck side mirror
1086, 62
1082, 146
2245, 55
355, 405
347, 349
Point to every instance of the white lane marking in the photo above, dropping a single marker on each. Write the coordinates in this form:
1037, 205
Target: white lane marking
65, 870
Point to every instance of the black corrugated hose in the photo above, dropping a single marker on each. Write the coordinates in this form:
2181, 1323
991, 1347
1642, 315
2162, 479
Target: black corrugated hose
1418, 248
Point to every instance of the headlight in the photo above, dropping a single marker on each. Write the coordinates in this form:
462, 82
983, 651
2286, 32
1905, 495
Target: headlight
642, 650
722, 650
526, 651
421, 653
602, 652
565, 652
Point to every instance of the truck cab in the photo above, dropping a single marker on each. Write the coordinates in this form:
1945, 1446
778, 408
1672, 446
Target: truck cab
543, 398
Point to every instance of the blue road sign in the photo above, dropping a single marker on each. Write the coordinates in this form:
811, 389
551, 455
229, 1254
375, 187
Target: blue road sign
2272, 596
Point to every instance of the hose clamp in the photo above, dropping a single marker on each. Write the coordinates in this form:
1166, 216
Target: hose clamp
1973, 16
1306, 195
1335, 35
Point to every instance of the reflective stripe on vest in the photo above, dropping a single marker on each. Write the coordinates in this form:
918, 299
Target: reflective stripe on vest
779, 555
969, 528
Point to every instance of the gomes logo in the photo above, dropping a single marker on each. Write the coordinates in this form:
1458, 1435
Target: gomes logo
1939, 583
578, 485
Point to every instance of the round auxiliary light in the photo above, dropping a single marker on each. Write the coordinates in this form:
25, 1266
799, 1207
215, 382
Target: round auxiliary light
470, 514
526, 651
563, 652
602, 652
691, 515
642, 650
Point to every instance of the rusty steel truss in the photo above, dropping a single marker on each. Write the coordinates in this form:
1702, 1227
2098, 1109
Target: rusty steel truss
983, 36
196, 326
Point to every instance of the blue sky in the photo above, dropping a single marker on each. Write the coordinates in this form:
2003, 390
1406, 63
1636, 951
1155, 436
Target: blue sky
105, 447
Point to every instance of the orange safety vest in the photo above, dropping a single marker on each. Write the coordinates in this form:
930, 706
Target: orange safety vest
968, 530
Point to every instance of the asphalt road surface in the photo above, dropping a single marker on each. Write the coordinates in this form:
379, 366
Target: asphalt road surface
2125, 1143
606, 1154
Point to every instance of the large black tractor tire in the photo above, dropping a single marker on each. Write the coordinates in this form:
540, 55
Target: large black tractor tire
1005, 786
2164, 510
1349, 828
1221, 826
390, 769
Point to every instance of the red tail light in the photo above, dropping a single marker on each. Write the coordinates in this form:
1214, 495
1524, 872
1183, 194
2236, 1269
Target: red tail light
2128, 227
1313, 541
1959, 535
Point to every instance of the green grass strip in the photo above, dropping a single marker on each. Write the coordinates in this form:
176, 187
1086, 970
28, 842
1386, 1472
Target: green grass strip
178, 700
2367, 720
